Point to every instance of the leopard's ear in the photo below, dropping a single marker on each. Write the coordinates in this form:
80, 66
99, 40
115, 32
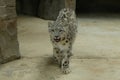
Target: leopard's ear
50, 24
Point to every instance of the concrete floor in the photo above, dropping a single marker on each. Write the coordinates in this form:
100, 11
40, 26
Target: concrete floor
96, 51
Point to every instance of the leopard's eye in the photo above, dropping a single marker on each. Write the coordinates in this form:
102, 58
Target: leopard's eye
60, 30
52, 30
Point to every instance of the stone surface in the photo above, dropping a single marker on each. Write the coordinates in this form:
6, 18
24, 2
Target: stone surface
7, 9
2, 2
46, 9
70, 4
49, 9
7, 12
42, 68
98, 38
1, 58
9, 3
9, 47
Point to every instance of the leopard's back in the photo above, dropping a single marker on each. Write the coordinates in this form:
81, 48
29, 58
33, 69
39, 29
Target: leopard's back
68, 19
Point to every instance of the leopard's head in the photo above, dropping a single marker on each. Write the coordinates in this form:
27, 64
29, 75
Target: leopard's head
57, 32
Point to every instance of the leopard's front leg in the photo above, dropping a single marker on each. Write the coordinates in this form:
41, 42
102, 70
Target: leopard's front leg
56, 52
65, 64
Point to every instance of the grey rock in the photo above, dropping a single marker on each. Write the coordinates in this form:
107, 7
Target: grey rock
7, 12
46, 9
9, 47
8, 3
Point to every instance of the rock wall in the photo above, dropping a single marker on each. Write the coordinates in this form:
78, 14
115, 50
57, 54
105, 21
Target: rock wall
46, 9
29, 7
49, 9
70, 4
9, 47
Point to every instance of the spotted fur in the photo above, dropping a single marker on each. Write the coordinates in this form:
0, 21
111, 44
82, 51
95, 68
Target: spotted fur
62, 34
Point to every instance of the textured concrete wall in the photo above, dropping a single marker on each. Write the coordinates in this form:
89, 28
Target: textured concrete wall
9, 47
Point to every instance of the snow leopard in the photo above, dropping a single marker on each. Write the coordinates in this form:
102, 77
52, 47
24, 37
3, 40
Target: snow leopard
62, 35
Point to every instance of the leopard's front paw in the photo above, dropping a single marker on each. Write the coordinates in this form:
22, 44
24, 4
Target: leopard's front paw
66, 70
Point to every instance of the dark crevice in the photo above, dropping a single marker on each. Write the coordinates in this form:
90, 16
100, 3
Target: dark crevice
49, 8
97, 6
